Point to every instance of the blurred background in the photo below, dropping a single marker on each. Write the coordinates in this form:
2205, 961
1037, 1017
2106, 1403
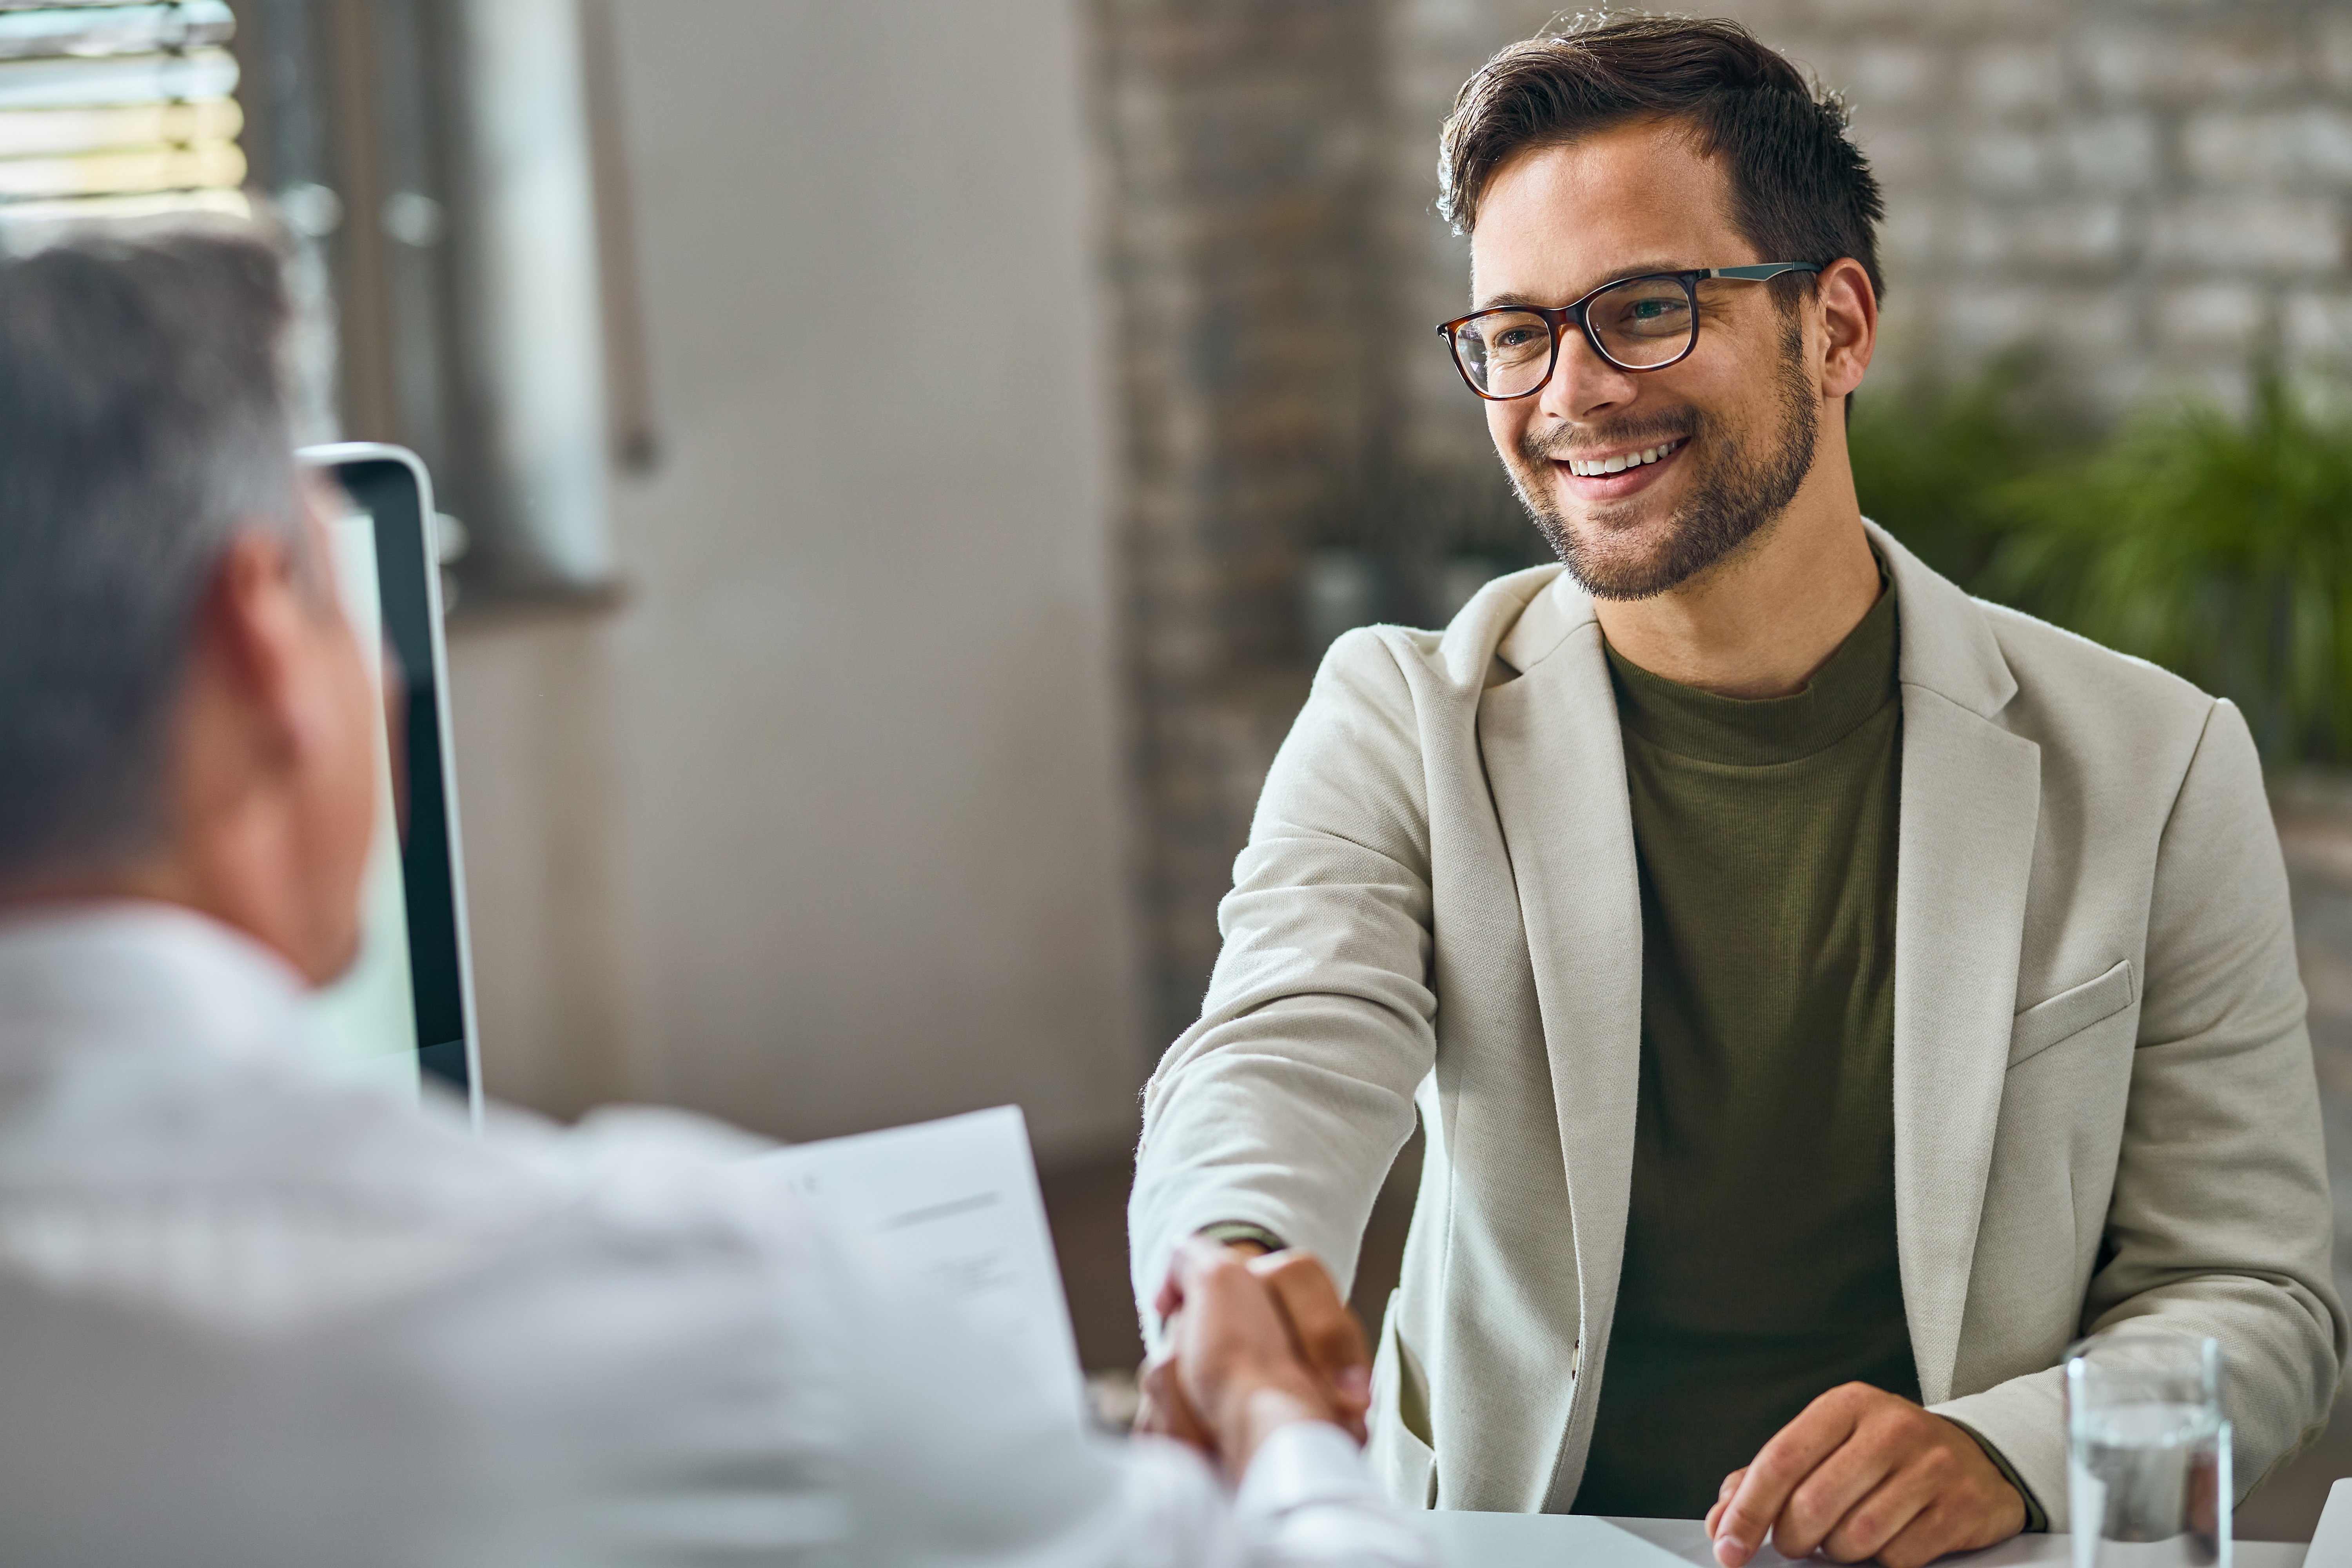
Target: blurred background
901, 461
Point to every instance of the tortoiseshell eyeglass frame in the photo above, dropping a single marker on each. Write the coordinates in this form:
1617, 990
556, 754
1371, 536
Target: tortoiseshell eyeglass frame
1559, 317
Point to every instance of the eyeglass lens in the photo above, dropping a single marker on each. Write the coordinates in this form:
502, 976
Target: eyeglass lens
1641, 322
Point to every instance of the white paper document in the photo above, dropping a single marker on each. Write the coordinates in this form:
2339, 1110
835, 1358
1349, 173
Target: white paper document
957, 1202
2331, 1543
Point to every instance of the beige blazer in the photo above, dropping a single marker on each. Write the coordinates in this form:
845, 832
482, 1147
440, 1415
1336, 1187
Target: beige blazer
2105, 1104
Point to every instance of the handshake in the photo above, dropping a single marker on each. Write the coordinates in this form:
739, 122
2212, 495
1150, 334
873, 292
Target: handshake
1253, 1344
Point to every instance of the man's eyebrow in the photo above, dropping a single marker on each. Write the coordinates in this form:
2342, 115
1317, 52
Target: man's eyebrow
1497, 301
1637, 269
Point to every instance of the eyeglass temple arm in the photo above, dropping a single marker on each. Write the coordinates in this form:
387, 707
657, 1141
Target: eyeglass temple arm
1762, 271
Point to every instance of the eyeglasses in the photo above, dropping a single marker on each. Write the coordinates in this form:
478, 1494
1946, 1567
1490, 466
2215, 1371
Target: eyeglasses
1636, 324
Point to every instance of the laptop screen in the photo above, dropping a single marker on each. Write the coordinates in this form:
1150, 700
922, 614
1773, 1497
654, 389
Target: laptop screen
403, 1011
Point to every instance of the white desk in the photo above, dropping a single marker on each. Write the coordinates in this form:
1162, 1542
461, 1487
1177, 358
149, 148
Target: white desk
1569, 1540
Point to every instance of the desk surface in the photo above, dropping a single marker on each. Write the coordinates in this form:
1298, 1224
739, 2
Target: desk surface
1572, 1540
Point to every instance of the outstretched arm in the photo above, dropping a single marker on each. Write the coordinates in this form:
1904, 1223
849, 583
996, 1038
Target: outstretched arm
949, 1465
1284, 1106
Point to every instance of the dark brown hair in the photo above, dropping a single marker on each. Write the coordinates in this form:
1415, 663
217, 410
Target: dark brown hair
1801, 189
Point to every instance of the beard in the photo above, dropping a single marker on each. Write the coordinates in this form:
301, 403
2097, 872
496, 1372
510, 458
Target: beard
1735, 495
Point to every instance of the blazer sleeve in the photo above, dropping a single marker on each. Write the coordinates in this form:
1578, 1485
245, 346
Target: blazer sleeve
2221, 1221
1284, 1107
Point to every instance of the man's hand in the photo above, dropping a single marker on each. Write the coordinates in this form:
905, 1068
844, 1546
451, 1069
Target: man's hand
1323, 1334
1233, 1374
1864, 1473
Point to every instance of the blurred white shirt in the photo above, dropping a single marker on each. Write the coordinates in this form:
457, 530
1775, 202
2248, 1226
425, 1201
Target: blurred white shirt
251, 1317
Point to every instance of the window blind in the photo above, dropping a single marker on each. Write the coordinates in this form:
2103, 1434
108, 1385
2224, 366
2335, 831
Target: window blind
118, 110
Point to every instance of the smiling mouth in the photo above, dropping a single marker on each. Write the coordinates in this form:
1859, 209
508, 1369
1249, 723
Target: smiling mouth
1593, 467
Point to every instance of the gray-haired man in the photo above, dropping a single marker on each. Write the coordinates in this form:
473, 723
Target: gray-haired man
249, 1316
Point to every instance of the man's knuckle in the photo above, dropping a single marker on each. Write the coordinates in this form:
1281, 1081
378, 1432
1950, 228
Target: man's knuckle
1927, 1537
1299, 1263
1895, 1423
1855, 1535
1335, 1325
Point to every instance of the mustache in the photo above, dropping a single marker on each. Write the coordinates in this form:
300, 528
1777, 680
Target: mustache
1559, 445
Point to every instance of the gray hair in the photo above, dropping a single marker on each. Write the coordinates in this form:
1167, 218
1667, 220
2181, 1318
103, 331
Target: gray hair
143, 427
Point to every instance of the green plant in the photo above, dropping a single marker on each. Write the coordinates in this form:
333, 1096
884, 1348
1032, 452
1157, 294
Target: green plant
2217, 545
1930, 458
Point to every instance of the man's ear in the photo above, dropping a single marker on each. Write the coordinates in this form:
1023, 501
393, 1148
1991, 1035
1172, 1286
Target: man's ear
1849, 315
250, 635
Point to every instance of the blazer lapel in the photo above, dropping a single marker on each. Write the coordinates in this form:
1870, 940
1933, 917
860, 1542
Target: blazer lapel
1970, 806
1556, 766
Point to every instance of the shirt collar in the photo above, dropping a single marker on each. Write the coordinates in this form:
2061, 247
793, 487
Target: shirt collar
73, 973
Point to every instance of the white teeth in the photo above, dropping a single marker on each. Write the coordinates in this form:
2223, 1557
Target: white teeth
1593, 467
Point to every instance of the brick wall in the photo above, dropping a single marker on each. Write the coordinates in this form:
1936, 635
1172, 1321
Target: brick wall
1242, 142
2151, 190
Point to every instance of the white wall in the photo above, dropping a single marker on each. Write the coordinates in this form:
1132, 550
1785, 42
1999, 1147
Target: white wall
824, 829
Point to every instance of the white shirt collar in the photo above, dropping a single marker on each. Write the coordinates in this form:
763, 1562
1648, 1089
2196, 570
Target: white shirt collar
75, 972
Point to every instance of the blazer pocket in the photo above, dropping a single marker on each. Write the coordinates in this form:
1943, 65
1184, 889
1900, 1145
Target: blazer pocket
2071, 1012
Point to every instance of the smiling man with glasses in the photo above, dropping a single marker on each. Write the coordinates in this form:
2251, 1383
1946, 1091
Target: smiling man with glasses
1825, 995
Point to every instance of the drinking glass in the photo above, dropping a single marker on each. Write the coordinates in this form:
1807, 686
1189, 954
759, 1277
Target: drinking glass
2148, 1482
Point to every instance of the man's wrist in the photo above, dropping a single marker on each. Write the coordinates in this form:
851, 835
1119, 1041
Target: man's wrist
2037, 1520
1242, 1232
1253, 1414
1301, 1465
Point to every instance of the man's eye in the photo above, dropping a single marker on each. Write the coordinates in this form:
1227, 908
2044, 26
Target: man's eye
1515, 338
1651, 310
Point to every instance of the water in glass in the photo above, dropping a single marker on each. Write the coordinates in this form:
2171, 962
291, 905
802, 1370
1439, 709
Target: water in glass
2148, 1474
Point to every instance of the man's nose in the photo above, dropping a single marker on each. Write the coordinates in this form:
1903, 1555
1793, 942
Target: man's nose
1583, 384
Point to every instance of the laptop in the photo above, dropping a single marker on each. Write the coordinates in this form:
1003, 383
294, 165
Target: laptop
403, 1015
